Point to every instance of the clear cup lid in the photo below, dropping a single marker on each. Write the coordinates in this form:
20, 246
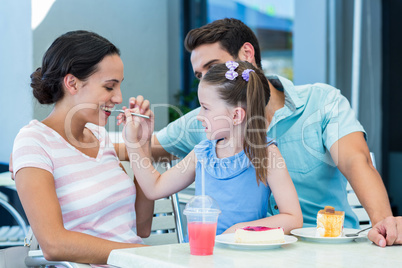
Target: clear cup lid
201, 204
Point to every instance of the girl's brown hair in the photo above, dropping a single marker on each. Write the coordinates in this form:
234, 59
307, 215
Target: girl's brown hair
252, 95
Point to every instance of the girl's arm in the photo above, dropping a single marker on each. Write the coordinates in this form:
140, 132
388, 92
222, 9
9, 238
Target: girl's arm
290, 216
37, 193
137, 134
156, 185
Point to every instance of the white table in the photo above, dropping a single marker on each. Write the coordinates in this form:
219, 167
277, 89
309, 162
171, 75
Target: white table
361, 253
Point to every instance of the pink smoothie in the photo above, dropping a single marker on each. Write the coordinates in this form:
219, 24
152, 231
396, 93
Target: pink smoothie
202, 237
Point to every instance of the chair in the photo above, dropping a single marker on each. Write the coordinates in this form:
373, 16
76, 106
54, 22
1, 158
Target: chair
166, 223
35, 256
36, 259
13, 233
364, 219
357, 208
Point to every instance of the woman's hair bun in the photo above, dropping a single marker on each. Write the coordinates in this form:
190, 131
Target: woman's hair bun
45, 91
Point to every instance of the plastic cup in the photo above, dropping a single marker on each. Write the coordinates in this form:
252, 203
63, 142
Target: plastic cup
202, 213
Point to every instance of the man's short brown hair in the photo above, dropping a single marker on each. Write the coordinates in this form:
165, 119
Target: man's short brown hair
230, 33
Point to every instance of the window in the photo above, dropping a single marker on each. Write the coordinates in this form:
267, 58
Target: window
271, 21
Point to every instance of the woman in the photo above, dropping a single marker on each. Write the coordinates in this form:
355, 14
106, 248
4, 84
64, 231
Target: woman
78, 199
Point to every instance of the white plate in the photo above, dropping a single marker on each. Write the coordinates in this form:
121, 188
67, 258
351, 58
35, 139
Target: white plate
309, 234
229, 241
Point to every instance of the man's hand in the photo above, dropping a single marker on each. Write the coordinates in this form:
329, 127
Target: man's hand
387, 232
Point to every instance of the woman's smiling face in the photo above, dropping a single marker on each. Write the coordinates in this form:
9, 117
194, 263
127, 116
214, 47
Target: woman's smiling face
99, 94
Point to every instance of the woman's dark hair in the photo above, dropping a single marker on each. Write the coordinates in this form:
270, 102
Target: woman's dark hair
230, 33
77, 53
252, 95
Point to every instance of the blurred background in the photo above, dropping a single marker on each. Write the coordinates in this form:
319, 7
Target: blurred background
307, 41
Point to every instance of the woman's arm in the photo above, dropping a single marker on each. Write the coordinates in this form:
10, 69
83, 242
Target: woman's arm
144, 210
121, 151
37, 193
290, 216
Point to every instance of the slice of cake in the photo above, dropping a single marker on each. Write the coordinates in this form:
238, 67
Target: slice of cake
330, 222
259, 235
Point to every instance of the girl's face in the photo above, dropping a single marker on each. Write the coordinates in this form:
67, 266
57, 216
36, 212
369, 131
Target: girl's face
98, 95
215, 115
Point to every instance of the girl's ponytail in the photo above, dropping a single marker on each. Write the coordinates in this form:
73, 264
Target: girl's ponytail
255, 133
241, 84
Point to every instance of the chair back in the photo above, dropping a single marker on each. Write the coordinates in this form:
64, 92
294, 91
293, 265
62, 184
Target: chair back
164, 224
357, 208
12, 235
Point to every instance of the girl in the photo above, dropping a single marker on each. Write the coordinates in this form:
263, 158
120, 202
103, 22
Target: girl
78, 200
242, 166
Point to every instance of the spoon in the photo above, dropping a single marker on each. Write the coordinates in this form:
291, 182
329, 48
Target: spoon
357, 234
140, 115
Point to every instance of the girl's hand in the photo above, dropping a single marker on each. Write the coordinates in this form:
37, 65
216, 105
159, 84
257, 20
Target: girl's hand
137, 131
139, 103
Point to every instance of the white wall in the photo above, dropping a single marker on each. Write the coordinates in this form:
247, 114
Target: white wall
138, 28
146, 32
15, 68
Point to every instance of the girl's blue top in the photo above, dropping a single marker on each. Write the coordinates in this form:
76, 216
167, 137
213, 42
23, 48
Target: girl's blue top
232, 182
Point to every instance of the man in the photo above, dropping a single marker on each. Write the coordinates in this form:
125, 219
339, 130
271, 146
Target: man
317, 133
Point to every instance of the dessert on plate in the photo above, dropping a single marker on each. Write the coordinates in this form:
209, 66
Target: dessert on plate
330, 222
259, 235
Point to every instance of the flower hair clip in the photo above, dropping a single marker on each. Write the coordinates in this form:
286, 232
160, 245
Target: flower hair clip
246, 74
231, 74
232, 65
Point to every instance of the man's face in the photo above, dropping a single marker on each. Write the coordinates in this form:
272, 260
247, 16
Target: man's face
206, 56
